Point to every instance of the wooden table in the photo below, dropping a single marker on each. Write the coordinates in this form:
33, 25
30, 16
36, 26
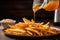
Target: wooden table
2, 36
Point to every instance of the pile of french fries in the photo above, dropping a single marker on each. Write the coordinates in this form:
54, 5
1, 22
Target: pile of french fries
30, 28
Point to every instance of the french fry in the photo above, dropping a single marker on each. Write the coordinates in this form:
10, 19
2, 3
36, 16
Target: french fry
47, 23
29, 33
32, 21
30, 28
41, 23
26, 21
35, 31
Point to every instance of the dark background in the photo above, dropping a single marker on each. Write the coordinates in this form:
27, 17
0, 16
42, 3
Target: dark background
17, 9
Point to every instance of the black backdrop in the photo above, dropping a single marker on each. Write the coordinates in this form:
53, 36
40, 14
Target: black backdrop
17, 9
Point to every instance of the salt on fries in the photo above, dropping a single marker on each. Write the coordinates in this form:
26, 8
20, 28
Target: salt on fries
31, 28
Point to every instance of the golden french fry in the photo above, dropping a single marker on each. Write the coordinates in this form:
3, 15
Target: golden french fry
30, 28
41, 34
11, 26
26, 21
35, 31
47, 23
29, 33
41, 23
17, 30
32, 21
